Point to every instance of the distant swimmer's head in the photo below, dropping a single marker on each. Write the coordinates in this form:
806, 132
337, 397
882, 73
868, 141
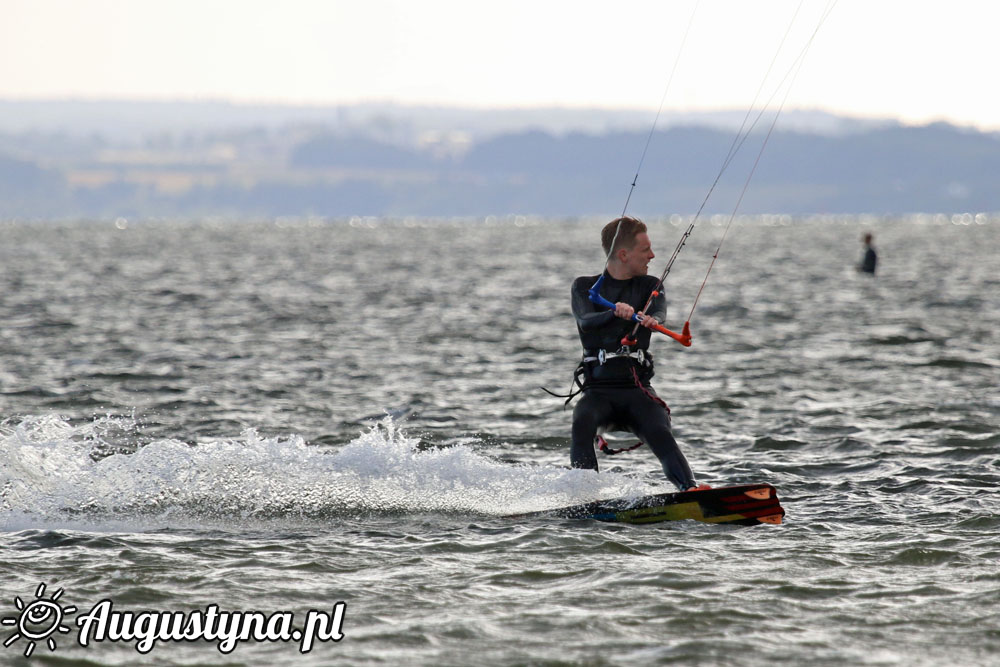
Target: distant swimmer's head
632, 248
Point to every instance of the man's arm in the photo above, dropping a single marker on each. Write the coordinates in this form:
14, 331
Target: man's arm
588, 316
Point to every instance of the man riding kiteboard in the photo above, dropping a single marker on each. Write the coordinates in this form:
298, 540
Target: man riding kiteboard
616, 391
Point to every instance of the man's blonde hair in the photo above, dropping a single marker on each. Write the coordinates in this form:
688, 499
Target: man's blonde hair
628, 230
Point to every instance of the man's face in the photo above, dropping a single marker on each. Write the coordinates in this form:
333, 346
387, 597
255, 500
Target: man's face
636, 261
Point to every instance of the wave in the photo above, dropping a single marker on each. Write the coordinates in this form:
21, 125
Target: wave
951, 362
54, 471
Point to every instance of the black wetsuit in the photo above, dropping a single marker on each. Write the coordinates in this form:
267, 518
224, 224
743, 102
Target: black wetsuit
611, 398
869, 261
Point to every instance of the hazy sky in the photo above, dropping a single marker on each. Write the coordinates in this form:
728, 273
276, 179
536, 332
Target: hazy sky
909, 59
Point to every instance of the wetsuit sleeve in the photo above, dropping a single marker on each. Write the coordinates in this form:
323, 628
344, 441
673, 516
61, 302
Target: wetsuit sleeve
588, 316
658, 309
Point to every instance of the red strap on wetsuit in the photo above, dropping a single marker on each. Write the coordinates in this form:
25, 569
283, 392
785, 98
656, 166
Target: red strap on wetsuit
653, 397
602, 445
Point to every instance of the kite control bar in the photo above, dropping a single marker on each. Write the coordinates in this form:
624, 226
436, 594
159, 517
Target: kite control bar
684, 338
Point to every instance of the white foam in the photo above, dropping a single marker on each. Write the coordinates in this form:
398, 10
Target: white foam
51, 472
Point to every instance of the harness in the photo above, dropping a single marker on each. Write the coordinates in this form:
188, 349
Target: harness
640, 370
603, 356
641, 362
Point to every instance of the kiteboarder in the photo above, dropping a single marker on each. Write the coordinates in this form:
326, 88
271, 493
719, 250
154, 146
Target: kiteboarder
870, 257
616, 391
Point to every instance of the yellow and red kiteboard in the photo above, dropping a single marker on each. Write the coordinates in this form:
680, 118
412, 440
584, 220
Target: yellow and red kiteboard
746, 505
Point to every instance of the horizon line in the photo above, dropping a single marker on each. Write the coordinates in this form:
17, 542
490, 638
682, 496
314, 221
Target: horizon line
478, 109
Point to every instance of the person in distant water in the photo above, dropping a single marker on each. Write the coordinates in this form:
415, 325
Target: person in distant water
616, 390
870, 259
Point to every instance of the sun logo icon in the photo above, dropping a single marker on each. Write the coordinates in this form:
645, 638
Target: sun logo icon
38, 620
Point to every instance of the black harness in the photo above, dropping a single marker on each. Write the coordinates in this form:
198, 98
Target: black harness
640, 364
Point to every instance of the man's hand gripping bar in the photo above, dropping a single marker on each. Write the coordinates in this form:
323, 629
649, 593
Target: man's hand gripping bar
684, 338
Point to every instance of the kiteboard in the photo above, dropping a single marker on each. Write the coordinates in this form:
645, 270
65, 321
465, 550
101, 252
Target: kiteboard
746, 505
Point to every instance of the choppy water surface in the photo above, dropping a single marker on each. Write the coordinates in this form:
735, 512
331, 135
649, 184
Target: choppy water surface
280, 416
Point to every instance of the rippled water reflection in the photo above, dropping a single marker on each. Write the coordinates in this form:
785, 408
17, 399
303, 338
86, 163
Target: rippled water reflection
196, 413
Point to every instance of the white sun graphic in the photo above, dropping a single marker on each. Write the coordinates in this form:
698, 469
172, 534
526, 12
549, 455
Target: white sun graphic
38, 620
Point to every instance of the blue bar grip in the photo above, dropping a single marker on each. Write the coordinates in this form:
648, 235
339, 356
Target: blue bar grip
597, 299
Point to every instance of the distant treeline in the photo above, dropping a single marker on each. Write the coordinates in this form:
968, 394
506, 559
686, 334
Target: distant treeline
891, 169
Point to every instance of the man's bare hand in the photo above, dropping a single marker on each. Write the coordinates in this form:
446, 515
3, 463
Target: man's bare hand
624, 311
648, 321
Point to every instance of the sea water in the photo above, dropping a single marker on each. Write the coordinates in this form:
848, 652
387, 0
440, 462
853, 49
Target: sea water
213, 422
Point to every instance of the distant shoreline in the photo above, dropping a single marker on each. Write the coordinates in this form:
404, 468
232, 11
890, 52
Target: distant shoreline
143, 160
